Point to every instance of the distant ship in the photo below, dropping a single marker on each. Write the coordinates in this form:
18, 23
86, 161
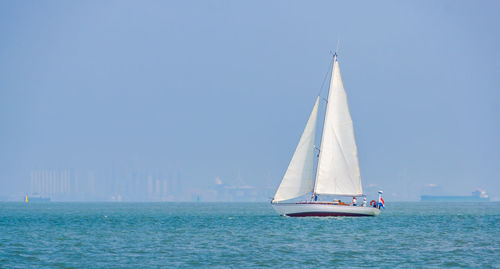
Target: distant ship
477, 196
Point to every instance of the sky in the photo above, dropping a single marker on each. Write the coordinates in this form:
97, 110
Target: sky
224, 88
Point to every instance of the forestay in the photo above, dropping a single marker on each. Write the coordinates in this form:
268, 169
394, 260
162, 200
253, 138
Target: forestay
298, 179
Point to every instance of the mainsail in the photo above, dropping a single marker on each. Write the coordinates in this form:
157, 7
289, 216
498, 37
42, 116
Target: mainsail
338, 167
298, 179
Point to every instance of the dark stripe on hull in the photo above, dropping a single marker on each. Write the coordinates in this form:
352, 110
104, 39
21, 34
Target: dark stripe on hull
327, 214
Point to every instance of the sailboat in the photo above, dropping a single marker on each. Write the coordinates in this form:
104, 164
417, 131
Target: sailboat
337, 172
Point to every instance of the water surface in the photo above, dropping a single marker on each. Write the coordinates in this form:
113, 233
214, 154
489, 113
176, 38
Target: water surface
245, 235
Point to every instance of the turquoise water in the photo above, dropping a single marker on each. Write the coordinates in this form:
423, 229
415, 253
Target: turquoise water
242, 235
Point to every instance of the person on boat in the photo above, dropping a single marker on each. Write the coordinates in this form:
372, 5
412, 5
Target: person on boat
354, 201
364, 202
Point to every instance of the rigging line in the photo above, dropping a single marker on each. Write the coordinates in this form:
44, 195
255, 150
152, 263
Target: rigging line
326, 76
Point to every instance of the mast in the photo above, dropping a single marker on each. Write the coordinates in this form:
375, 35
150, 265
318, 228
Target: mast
323, 133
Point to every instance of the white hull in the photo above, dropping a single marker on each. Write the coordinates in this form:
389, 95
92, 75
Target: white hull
323, 209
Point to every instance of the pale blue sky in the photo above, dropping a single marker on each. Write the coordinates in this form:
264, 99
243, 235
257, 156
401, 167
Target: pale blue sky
217, 87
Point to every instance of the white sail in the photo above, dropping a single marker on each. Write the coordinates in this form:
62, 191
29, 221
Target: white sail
338, 167
298, 179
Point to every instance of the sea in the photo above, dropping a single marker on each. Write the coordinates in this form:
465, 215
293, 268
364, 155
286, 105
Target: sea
246, 235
